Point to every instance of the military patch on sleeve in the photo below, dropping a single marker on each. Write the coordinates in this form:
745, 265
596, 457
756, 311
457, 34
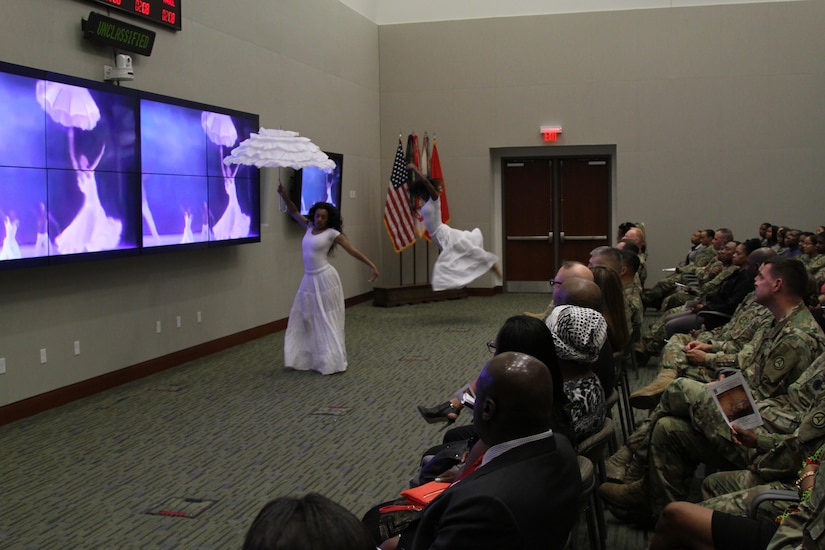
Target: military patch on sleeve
818, 420
779, 363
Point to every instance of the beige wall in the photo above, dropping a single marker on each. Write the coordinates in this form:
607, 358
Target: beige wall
722, 103
716, 113
304, 65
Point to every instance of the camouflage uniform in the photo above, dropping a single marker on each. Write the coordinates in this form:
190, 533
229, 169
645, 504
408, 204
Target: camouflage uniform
705, 287
666, 286
732, 492
694, 432
815, 266
688, 429
733, 343
806, 528
633, 307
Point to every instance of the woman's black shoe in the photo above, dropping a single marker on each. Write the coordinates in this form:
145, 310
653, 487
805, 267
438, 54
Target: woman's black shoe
439, 413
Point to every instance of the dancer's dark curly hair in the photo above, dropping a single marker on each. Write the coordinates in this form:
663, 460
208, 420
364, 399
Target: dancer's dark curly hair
334, 219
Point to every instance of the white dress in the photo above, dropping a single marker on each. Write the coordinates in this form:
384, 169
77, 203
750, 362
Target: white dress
91, 230
10, 250
233, 224
314, 338
463, 258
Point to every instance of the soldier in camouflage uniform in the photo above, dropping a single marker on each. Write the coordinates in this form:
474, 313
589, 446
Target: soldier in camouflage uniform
813, 247
688, 410
653, 297
632, 296
714, 349
800, 527
793, 429
656, 335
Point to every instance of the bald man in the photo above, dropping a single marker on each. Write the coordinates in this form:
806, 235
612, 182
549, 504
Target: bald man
525, 493
568, 270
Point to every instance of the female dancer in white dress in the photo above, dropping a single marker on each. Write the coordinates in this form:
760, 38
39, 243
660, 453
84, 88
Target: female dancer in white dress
91, 229
10, 250
233, 223
314, 336
462, 258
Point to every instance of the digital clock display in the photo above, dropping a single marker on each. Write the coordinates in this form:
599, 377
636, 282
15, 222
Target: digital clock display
163, 12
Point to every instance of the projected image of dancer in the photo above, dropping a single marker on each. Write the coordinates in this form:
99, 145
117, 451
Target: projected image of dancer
462, 258
233, 223
91, 229
10, 250
44, 223
314, 338
187, 237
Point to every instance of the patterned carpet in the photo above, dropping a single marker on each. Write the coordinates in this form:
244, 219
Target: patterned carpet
219, 437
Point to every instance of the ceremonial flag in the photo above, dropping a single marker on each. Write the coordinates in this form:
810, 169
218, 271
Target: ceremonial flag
415, 202
435, 173
398, 218
425, 155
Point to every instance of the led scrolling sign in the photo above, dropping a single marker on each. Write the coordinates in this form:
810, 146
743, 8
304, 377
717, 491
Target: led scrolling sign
163, 12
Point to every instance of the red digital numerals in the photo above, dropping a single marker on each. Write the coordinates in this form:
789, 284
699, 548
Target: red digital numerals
142, 7
168, 16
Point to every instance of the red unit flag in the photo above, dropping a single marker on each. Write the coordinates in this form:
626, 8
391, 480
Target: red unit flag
435, 173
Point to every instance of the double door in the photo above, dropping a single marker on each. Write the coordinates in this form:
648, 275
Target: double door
554, 209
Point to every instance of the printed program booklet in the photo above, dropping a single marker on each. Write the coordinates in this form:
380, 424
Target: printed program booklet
735, 401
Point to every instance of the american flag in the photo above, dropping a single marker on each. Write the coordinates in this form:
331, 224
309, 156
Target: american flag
397, 216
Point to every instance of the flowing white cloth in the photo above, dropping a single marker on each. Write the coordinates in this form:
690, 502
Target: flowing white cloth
463, 258
314, 338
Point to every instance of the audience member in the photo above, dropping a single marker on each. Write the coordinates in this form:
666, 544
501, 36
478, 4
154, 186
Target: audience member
698, 355
518, 333
312, 522
689, 526
525, 492
787, 349
579, 334
568, 269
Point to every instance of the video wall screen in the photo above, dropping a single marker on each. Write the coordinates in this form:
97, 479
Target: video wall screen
311, 185
88, 170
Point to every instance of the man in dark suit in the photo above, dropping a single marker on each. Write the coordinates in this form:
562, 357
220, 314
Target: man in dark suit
525, 493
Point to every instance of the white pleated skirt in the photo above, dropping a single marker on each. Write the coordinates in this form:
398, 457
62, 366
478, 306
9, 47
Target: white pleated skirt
314, 338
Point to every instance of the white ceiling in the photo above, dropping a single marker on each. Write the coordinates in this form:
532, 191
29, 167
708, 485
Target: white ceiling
388, 12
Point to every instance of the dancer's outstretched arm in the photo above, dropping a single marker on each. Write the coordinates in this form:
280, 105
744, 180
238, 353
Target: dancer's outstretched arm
358, 255
290, 206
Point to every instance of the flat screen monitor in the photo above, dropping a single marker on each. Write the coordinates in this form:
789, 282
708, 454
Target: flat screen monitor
89, 170
68, 168
189, 197
311, 185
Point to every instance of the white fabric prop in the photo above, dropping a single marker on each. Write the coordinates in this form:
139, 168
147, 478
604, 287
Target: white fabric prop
279, 149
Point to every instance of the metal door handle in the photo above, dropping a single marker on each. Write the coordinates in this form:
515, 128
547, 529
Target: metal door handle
584, 237
548, 237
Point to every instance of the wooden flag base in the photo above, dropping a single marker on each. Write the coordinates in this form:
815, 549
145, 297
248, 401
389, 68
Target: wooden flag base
391, 296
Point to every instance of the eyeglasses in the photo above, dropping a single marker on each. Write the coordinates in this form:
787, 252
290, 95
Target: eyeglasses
554, 282
491, 346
